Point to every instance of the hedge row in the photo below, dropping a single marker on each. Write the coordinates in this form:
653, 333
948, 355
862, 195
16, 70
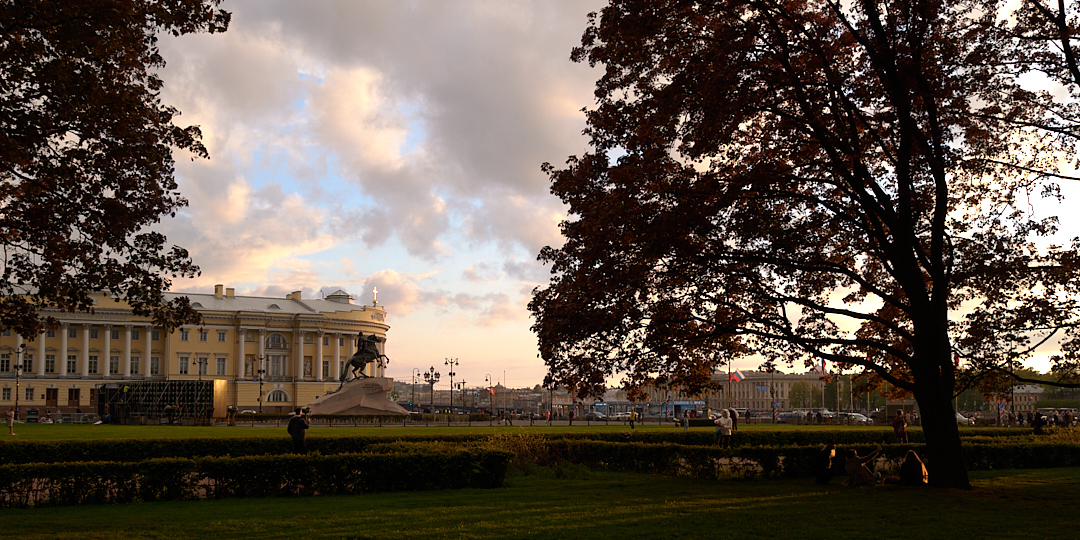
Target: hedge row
131, 450
794, 461
63, 484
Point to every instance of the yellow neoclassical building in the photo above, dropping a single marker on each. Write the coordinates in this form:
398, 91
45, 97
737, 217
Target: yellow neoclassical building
286, 351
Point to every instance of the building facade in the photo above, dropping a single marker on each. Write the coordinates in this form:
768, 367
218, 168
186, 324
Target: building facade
275, 352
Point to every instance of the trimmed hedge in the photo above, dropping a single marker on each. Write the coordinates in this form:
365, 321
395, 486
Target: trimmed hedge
56, 484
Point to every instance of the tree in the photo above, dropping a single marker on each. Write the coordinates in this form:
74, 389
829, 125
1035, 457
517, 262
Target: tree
808, 180
86, 156
801, 395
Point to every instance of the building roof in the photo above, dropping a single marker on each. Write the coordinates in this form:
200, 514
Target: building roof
289, 306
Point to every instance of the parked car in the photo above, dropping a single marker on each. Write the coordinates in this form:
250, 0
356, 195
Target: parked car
962, 420
596, 416
856, 419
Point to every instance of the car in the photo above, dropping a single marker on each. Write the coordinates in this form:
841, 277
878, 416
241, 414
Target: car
621, 416
596, 416
856, 419
962, 420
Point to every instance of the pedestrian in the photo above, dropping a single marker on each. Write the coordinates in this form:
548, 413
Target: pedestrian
723, 429
824, 463
298, 425
633, 415
899, 425
734, 419
11, 421
686, 420
571, 417
858, 473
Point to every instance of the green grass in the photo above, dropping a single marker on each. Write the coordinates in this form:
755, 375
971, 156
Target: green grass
596, 505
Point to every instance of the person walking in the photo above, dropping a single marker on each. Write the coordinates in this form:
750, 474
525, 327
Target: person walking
298, 425
899, 425
632, 416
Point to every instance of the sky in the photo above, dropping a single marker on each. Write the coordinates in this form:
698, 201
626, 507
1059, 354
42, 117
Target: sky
393, 145
396, 145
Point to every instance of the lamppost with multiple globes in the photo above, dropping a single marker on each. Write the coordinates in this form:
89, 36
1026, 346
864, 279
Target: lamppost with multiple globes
451, 362
431, 377
260, 375
18, 369
201, 364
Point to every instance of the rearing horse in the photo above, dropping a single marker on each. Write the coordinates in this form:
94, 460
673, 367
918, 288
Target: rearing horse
366, 353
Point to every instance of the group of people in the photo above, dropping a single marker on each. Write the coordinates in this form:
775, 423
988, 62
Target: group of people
912, 470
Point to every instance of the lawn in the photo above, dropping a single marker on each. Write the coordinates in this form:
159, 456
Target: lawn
577, 503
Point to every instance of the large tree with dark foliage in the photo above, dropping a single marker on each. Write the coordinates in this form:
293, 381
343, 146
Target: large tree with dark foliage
86, 156
808, 180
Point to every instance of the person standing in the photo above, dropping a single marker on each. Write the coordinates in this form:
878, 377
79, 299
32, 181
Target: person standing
734, 419
686, 420
899, 425
632, 415
824, 465
723, 429
298, 425
11, 421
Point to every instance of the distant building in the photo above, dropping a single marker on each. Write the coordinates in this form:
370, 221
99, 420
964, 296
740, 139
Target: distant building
297, 345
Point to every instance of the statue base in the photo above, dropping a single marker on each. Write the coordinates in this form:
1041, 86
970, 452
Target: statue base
360, 396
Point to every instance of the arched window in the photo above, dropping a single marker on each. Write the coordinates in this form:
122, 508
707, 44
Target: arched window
277, 396
276, 341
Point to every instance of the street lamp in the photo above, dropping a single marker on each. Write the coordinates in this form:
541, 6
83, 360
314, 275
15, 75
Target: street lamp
431, 377
201, 362
260, 376
491, 397
451, 362
461, 391
18, 368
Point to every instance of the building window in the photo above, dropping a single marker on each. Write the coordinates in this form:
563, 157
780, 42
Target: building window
276, 341
114, 334
277, 396
155, 365
341, 341
72, 363
326, 341
50, 363
29, 394
93, 363
155, 335
183, 335
203, 335
326, 369
220, 366
221, 336
134, 365
28, 363
184, 363
73, 332
5, 362
277, 365
6, 394
93, 333
134, 334
50, 333
114, 364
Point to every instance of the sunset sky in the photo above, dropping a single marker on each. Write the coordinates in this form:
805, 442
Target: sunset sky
395, 145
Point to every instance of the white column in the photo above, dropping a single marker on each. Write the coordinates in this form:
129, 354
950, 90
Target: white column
335, 365
299, 355
147, 350
85, 352
126, 361
41, 354
106, 365
318, 356
62, 368
241, 334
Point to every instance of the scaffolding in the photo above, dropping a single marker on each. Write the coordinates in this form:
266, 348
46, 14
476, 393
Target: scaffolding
170, 400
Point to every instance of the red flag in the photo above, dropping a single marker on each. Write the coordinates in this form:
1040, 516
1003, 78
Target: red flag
492, 390
956, 358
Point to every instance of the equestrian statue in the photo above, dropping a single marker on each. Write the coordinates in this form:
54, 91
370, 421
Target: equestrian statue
367, 351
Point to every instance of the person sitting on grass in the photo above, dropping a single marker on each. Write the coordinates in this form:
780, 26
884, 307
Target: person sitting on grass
858, 473
912, 470
824, 463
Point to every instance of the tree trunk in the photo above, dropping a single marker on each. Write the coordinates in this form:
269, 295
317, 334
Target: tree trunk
944, 456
